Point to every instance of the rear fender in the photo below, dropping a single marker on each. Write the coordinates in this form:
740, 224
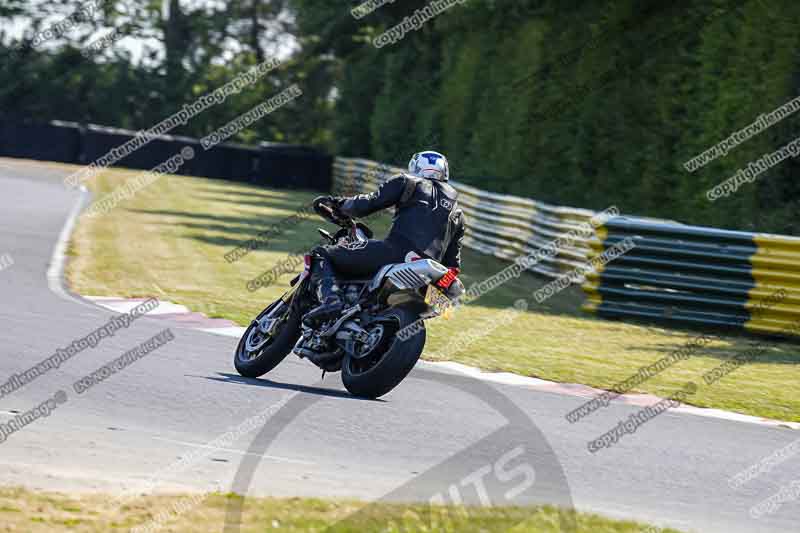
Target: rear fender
416, 307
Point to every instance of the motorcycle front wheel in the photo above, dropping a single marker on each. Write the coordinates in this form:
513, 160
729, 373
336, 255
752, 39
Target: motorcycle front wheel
259, 352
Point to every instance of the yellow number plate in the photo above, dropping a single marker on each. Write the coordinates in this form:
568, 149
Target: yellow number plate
439, 301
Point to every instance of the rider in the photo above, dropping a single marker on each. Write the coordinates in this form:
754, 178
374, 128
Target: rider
427, 223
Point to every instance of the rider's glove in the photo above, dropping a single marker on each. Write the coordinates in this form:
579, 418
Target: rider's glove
334, 202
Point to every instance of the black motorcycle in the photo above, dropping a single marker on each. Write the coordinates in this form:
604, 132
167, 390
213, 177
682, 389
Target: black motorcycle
379, 335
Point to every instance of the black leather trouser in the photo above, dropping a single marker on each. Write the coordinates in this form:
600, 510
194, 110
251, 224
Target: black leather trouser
360, 260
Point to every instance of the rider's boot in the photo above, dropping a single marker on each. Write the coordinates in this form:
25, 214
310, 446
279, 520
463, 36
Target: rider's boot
328, 293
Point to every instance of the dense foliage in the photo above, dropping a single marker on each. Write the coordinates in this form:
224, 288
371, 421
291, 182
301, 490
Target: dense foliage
572, 102
172, 53
579, 103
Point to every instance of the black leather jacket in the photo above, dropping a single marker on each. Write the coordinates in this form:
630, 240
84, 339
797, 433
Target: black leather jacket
427, 216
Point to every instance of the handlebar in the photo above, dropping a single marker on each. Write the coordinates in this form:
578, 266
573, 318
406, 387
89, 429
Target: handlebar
333, 215
330, 214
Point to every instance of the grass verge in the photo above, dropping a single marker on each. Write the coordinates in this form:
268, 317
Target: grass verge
38, 512
169, 241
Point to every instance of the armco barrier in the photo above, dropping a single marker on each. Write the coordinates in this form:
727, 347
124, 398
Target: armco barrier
497, 224
293, 166
698, 275
97, 141
56, 141
678, 273
269, 164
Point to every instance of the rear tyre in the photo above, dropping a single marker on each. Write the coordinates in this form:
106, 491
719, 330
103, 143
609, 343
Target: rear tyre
275, 348
389, 361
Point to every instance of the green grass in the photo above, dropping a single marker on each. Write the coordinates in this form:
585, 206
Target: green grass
169, 240
44, 512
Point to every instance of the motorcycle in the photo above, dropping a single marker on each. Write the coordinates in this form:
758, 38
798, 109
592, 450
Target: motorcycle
379, 335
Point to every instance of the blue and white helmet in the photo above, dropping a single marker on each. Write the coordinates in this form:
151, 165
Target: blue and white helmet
431, 165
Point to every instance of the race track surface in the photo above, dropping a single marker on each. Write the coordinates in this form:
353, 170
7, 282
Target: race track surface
435, 431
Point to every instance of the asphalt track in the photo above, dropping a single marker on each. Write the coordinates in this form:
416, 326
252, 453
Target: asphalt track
429, 434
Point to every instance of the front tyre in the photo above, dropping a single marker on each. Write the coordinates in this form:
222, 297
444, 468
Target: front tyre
382, 366
259, 352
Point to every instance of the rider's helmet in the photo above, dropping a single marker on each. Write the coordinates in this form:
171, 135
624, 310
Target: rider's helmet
429, 164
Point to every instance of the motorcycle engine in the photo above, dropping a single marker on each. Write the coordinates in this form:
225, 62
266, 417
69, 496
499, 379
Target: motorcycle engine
351, 293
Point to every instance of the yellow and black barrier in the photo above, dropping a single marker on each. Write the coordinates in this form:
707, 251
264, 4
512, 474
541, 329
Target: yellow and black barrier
678, 273
698, 275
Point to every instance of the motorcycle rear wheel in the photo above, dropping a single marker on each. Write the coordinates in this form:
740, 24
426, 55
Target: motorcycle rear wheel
389, 362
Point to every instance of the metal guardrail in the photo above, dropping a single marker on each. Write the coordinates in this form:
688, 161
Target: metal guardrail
501, 225
699, 275
676, 273
268, 164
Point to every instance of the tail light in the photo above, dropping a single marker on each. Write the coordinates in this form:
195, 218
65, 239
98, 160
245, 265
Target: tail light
448, 279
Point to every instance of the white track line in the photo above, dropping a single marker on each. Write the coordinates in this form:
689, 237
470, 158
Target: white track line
507, 378
55, 270
531, 383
